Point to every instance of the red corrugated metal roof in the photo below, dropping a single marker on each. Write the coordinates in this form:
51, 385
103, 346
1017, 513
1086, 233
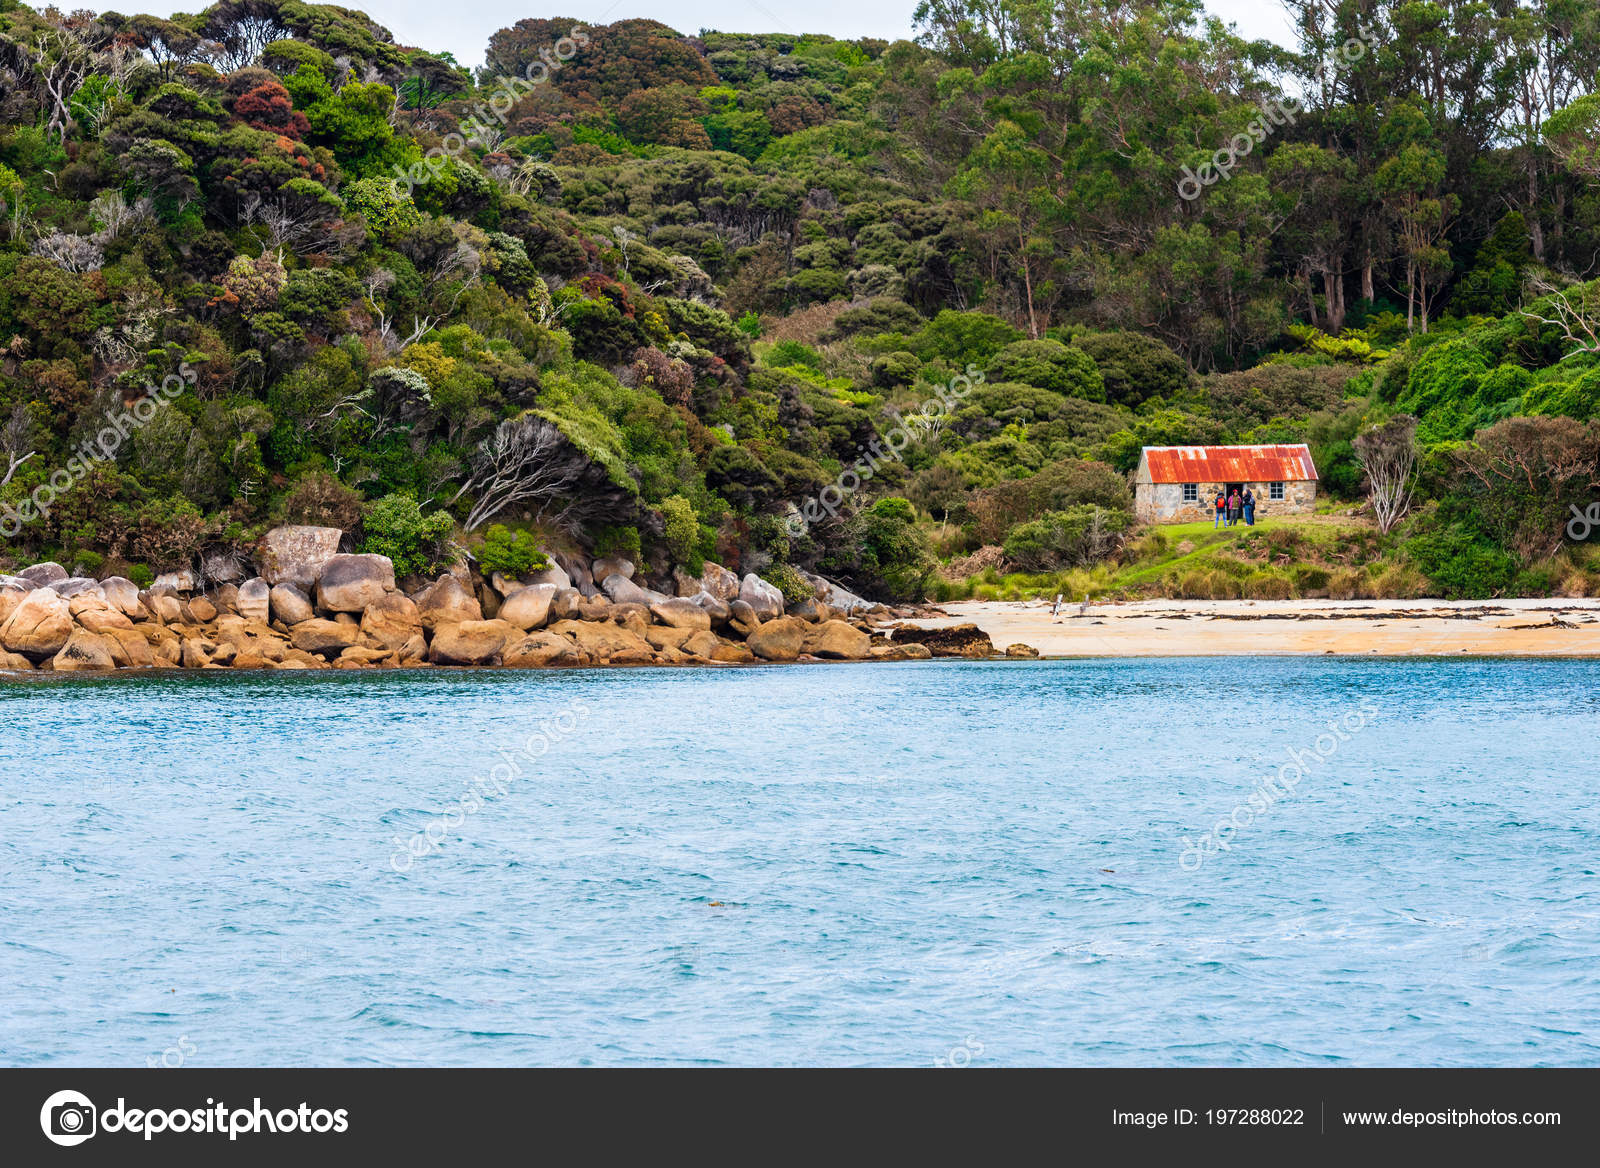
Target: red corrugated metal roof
1230, 464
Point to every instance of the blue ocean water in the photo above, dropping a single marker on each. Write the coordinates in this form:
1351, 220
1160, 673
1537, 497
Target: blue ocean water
958, 863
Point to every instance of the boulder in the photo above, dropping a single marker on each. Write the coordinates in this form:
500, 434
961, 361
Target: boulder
89, 600
165, 645
742, 613
702, 644
39, 626
470, 642
222, 567
350, 583
202, 609
165, 607
197, 652
629, 613
713, 578
488, 600
837, 640
622, 590
73, 585
296, 555
391, 620
733, 653
963, 640
123, 595
225, 597
812, 610
715, 607
103, 620
323, 636
447, 602
83, 651
607, 642
663, 637
129, 649
681, 614
536, 650
835, 596
764, 598
365, 656
504, 585
1025, 652
899, 652
10, 597
578, 574
289, 604
594, 608
780, 639
612, 566
565, 604
14, 662
254, 601
43, 575
529, 607
181, 581
554, 574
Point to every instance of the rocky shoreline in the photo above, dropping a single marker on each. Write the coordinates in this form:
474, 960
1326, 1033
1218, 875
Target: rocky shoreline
313, 607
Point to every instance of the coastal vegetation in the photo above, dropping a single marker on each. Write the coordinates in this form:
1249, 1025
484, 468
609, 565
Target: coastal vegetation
627, 292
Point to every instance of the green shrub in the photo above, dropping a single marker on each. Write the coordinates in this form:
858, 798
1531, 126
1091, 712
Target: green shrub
1461, 564
1062, 539
682, 534
793, 353
1049, 365
87, 563
787, 579
618, 541
397, 528
141, 575
512, 553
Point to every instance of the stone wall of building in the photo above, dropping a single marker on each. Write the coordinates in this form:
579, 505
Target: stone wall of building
1163, 502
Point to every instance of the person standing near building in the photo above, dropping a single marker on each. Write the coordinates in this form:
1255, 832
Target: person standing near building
1249, 508
1222, 510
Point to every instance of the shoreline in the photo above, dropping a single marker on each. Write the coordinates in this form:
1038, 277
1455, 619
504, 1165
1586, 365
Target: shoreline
1524, 627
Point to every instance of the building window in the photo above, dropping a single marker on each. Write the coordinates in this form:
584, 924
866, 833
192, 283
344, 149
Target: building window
1275, 491
1191, 492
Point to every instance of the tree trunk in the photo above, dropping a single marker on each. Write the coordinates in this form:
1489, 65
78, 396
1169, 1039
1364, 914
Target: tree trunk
1535, 227
1333, 294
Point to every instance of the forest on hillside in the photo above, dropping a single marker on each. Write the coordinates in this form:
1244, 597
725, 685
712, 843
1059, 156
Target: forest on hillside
898, 314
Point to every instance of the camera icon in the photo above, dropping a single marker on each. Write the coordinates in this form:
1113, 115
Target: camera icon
68, 1118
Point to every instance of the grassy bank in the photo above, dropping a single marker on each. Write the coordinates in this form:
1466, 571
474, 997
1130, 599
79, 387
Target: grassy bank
1335, 555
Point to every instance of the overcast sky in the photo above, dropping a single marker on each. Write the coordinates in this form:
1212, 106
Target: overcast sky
464, 27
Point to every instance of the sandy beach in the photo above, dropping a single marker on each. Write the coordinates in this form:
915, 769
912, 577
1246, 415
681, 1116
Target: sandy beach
1183, 628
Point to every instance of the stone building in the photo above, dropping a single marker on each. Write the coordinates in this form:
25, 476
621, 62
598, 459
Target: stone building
1179, 484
